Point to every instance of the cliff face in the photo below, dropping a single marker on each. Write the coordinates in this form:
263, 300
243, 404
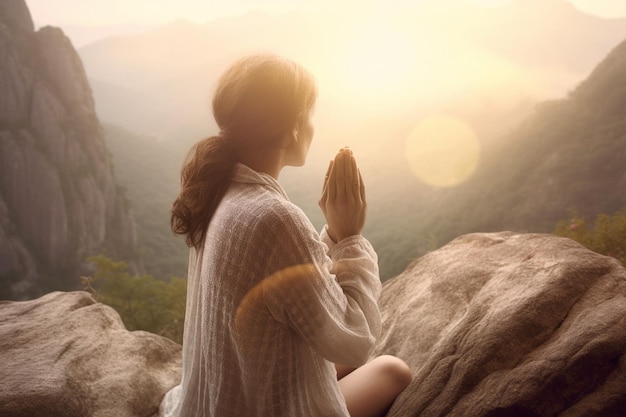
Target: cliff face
59, 202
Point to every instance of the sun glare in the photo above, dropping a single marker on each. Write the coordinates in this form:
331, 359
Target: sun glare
374, 62
443, 151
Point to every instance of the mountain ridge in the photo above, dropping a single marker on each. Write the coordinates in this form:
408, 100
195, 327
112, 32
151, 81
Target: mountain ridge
58, 194
568, 156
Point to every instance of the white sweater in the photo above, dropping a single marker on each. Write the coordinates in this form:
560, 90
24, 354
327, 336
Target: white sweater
271, 306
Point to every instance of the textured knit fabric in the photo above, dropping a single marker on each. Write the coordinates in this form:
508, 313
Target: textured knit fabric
271, 306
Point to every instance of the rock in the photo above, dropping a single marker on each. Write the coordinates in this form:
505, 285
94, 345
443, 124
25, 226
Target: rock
509, 325
63, 70
16, 15
57, 184
14, 258
64, 354
492, 325
33, 180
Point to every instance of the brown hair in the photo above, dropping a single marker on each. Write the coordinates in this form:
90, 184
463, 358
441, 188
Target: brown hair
257, 100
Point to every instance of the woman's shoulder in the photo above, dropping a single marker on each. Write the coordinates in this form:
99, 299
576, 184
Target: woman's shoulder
281, 211
262, 207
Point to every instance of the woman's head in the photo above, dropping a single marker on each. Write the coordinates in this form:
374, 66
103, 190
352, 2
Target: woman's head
261, 101
261, 98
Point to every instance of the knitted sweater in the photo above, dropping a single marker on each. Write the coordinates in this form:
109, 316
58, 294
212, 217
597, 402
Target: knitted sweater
271, 306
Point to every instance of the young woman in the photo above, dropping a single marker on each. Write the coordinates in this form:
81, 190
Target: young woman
278, 316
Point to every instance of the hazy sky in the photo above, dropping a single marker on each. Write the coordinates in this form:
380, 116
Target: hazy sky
106, 12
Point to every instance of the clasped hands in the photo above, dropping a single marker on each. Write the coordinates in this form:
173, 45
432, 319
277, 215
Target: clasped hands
343, 197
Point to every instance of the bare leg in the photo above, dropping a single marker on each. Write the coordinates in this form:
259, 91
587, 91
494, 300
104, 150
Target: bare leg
371, 389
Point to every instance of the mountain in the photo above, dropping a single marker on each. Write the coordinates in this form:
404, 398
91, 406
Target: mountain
157, 84
570, 155
150, 173
59, 200
82, 35
163, 77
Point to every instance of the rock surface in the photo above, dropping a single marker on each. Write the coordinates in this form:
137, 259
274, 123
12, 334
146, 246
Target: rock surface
65, 355
509, 325
492, 325
58, 196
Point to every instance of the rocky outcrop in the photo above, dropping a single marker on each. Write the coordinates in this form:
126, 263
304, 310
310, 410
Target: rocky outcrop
491, 324
58, 196
509, 325
66, 355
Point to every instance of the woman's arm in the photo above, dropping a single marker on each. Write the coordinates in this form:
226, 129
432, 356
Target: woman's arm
327, 296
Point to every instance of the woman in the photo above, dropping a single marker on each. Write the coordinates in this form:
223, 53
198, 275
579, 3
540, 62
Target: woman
278, 317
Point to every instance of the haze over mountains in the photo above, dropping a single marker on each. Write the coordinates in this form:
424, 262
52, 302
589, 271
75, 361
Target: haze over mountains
368, 62
488, 72
380, 73
383, 76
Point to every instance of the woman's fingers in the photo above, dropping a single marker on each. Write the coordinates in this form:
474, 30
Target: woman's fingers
325, 186
362, 188
332, 179
330, 166
355, 184
347, 173
343, 197
344, 177
324, 197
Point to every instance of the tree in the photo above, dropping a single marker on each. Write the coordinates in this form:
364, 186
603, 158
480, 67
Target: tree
607, 235
143, 302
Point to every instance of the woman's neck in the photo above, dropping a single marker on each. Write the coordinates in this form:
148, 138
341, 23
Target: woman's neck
268, 161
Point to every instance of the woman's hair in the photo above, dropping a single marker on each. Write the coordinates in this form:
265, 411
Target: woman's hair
258, 100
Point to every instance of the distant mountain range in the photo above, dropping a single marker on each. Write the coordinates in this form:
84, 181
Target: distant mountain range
538, 161
569, 155
159, 82
60, 200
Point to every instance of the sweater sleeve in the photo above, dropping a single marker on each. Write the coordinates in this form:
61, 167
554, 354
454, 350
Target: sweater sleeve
327, 296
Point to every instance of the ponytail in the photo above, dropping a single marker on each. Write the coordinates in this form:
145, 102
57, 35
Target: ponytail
256, 101
204, 181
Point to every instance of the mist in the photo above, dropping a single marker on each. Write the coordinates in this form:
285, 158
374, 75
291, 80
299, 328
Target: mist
383, 74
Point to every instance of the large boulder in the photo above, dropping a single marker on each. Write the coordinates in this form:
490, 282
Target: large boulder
509, 325
65, 355
492, 325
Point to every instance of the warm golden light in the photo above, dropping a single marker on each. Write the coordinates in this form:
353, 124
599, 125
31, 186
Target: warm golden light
253, 305
372, 62
491, 3
443, 151
380, 58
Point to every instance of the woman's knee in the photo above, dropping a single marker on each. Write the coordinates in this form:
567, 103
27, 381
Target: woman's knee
395, 370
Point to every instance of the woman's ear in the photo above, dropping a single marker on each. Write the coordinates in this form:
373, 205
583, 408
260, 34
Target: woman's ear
289, 138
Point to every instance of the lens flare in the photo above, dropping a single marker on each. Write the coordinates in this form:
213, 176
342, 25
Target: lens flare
443, 151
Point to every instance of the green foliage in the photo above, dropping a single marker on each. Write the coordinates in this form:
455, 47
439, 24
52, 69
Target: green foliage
149, 176
607, 235
143, 302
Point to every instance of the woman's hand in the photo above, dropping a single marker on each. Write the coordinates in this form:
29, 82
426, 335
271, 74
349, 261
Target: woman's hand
343, 197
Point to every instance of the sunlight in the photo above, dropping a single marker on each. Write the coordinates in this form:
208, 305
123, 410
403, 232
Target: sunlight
490, 3
389, 63
374, 61
443, 151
